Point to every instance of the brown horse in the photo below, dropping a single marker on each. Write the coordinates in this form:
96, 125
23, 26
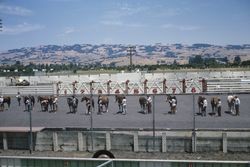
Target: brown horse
28, 100
89, 104
119, 98
214, 103
200, 103
73, 104
44, 102
7, 100
103, 101
172, 102
143, 103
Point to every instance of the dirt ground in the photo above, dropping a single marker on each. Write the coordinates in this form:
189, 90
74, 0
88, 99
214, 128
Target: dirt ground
132, 155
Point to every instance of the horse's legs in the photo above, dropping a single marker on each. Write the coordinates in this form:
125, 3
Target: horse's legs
107, 107
1, 107
119, 108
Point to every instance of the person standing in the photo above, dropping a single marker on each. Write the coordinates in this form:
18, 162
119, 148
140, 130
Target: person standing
18, 96
219, 107
149, 104
237, 105
1, 103
204, 107
124, 106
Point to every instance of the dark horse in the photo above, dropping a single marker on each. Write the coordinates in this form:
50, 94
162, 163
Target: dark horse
44, 102
48, 101
88, 103
53, 103
172, 102
73, 104
200, 103
214, 103
7, 100
103, 101
28, 100
119, 98
143, 103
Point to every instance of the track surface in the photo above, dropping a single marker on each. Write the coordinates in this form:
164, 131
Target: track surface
183, 119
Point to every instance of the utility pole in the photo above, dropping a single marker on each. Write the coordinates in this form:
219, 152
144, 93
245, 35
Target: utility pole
131, 51
1, 25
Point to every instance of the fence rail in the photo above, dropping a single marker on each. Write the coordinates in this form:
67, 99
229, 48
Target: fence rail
22, 161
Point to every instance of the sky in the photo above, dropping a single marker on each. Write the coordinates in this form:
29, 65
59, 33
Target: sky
28, 23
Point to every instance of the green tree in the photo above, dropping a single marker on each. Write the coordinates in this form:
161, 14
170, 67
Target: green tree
237, 60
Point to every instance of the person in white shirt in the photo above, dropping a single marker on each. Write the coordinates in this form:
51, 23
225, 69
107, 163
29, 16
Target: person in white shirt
219, 107
124, 105
1, 99
18, 96
237, 105
149, 104
1, 103
204, 107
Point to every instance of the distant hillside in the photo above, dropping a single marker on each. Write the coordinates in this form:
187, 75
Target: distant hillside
117, 54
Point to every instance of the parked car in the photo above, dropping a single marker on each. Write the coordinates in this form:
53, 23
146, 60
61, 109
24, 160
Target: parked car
23, 83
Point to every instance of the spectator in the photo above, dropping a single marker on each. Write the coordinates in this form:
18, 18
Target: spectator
124, 105
237, 105
204, 107
18, 96
149, 104
219, 107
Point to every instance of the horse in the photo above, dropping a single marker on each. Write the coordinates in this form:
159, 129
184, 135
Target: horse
88, 103
143, 103
172, 102
230, 102
52, 101
73, 104
214, 103
119, 98
103, 101
28, 100
200, 103
44, 101
7, 100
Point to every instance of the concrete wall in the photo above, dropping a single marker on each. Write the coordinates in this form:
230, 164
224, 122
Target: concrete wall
138, 141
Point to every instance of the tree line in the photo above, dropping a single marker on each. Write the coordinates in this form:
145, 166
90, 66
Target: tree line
195, 62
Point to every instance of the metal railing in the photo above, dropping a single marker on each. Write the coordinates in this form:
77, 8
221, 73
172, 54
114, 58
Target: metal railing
22, 161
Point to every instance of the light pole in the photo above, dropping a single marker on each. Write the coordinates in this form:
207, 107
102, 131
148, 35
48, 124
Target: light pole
30, 117
131, 50
194, 126
1, 25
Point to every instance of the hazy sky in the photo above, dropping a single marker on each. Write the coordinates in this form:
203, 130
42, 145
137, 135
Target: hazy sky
59, 22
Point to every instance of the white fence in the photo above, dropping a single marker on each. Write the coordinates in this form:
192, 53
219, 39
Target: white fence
133, 83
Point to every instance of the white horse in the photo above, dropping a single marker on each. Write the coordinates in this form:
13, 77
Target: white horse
230, 102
